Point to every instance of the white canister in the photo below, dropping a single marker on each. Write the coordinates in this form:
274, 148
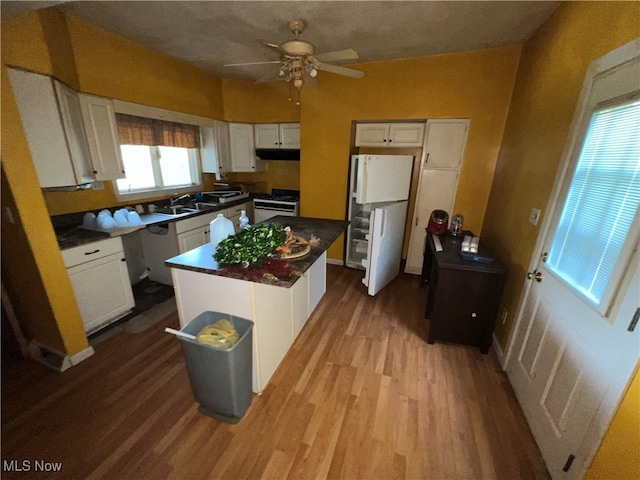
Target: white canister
219, 229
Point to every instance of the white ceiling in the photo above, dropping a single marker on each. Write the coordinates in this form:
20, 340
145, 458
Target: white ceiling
209, 34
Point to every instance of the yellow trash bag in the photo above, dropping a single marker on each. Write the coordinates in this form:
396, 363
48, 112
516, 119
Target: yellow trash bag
221, 334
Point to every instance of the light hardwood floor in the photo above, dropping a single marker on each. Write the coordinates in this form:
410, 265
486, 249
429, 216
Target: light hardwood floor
361, 395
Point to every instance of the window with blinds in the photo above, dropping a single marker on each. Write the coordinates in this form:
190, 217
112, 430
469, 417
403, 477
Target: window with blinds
601, 206
158, 155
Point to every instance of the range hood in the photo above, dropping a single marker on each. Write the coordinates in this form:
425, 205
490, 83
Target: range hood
278, 154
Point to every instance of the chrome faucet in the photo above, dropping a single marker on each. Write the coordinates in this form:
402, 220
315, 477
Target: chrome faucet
173, 201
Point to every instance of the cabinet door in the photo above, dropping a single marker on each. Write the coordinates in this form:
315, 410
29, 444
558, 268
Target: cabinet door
43, 128
436, 191
222, 144
71, 114
289, 135
214, 152
102, 290
102, 135
193, 239
406, 134
267, 135
243, 157
372, 134
446, 140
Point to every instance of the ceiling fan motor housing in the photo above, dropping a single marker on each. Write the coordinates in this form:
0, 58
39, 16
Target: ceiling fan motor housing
298, 47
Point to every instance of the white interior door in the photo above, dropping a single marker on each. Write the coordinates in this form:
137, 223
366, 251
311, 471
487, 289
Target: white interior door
574, 347
385, 245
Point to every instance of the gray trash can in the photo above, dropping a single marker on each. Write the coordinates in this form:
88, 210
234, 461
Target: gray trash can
220, 378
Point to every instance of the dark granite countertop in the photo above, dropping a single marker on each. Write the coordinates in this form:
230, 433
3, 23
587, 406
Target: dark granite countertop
327, 231
70, 232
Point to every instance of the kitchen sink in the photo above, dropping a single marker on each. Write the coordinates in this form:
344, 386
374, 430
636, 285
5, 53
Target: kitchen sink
176, 210
191, 207
200, 206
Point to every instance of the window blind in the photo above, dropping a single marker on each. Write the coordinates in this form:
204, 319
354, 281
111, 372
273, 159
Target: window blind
133, 130
601, 204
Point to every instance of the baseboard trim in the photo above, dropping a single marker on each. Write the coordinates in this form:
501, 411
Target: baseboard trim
56, 360
334, 261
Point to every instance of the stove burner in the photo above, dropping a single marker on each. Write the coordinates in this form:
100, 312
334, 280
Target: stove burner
280, 198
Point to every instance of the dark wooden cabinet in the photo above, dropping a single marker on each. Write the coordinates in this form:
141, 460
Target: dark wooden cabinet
464, 295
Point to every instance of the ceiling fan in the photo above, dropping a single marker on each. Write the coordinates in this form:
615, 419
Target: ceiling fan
298, 62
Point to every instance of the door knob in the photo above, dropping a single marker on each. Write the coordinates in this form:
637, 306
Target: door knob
535, 275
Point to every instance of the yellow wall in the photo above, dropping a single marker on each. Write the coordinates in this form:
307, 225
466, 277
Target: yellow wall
33, 271
552, 68
475, 85
95, 61
619, 455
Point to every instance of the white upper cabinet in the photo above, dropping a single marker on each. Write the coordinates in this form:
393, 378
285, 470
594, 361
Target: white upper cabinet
446, 140
243, 155
52, 121
215, 152
390, 135
102, 135
277, 135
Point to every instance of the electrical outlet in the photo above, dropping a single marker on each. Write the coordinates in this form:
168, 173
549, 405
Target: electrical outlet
535, 216
503, 316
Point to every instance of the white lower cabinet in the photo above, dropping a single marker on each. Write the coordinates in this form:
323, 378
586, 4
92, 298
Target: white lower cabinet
194, 231
100, 281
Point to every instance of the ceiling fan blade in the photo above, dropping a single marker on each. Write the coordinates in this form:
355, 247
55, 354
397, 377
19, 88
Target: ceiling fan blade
250, 63
347, 72
274, 75
282, 51
347, 54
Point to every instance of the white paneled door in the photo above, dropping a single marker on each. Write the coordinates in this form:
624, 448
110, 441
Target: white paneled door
575, 345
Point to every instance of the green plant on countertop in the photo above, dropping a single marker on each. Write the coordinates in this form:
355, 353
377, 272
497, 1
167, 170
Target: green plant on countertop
250, 245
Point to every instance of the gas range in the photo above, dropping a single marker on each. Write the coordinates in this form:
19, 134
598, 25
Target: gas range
280, 202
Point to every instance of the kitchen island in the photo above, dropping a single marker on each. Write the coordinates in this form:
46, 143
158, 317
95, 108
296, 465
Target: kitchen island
279, 306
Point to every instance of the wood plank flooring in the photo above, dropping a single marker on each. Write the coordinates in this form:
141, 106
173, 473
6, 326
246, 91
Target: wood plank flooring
361, 395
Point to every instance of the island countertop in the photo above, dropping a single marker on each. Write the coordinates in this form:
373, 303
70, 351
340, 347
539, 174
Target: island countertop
326, 231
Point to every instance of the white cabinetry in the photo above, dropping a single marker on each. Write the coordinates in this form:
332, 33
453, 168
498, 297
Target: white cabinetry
194, 231
277, 135
438, 184
216, 157
100, 281
243, 155
102, 135
446, 140
390, 135
52, 121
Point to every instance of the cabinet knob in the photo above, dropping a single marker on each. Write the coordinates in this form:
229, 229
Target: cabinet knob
384, 140
390, 140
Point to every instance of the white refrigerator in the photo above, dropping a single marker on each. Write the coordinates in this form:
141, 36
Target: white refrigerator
378, 199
